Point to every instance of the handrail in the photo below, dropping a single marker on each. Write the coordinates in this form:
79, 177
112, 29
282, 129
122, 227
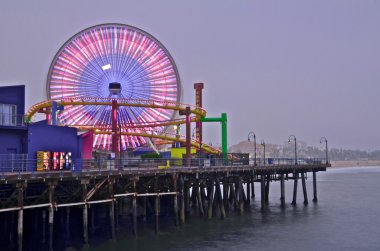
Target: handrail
20, 165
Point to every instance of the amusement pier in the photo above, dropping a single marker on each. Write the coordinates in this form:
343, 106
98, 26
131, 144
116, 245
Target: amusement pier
108, 140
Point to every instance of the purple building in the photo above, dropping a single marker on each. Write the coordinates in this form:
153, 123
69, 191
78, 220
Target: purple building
20, 141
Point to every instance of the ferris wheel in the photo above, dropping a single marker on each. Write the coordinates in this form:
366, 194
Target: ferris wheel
114, 61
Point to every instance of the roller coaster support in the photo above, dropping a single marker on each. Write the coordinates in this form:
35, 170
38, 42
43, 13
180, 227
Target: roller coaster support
198, 102
187, 113
115, 138
223, 120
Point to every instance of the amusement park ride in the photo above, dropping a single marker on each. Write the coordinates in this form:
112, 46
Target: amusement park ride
122, 84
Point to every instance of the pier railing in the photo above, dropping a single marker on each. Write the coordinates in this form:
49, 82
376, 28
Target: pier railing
20, 164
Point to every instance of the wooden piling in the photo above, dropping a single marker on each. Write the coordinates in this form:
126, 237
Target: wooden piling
92, 222
43, 239
253, 188
203, 197
282, 198
51, 214
241, 195
182, 200
248, 193
262, 191
305, 201
85, 212
111, 183
187, 199
315, 199
20, 222
175, 200
267, 190
11, 230
134, 209
225, 196
220, 199
233, 196
157, 212
210, 199
156, 205
294, 202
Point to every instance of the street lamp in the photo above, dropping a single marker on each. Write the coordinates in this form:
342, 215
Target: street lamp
327, 155
263, 144
293, 138
254, 140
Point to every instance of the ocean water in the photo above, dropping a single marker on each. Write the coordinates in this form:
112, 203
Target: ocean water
346, 217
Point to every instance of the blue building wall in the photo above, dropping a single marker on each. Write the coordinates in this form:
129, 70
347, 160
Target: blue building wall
53, 139
13, 141
14, 95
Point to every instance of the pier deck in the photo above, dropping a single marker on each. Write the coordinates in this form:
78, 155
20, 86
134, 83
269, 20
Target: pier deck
198, 189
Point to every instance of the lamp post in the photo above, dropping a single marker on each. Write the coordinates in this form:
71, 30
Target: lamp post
327, 155
293, 138
254, 140
263, 144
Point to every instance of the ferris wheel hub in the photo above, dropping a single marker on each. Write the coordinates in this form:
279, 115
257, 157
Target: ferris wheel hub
114, 88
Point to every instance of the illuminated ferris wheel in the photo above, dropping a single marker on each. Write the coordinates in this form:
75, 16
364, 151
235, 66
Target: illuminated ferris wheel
113, 61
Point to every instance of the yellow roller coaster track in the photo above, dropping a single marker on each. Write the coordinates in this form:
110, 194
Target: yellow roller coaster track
105, 129
198, 111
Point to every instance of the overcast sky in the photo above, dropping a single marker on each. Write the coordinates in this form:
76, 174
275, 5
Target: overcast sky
308, 68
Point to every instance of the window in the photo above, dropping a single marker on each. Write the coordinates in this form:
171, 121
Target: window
8, 115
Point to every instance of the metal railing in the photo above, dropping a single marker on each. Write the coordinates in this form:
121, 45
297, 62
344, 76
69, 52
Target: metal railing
20, 164
8, 119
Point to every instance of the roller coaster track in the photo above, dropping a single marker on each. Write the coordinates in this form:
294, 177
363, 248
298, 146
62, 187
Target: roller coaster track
197, 112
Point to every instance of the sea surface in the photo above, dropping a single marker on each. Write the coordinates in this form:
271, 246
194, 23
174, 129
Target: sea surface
346, 217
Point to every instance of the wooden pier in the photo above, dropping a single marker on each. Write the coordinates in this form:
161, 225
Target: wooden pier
205, 191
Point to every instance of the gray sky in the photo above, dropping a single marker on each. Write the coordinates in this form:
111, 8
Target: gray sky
309, 68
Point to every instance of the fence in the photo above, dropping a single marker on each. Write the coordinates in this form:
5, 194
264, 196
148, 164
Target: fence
17, 163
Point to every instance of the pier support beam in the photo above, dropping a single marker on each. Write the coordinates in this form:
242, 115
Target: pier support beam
267, 190
68, 222
197, 195
43, 239
111, 183
253, 185
220, 199
241, 196
175, 199
85, 211
294, 202
248, 193
233, 196
305, 201
157, 213
187, 199
181, 186
315, 199
157, 205
210, 199
262, 191
51, 213
225, 195
282, 198
134, 209
20, 222
203, 197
